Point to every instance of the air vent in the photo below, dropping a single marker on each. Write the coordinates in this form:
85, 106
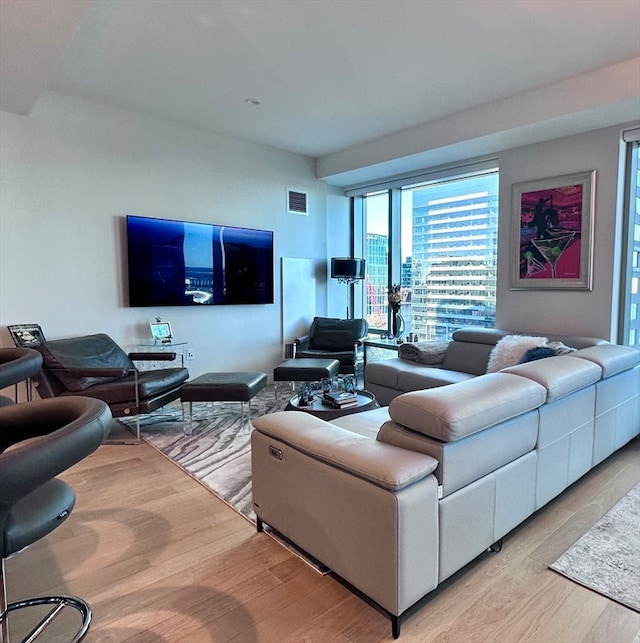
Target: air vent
297, 202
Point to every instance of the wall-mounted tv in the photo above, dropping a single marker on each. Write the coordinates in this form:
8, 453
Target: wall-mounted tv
176, 263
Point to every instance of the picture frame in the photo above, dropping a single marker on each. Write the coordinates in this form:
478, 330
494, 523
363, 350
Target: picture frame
552, 233
26, 335
161, 331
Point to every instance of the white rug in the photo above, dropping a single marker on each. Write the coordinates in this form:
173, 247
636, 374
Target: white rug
607, 558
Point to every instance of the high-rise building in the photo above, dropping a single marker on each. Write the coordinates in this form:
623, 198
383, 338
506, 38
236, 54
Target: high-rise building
454, 256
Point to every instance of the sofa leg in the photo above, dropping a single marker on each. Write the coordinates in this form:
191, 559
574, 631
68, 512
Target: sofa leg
395, 626
496, 547
259, 525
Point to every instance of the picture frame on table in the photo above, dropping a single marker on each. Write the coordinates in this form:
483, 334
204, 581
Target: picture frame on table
161, 331
552, 233
26, 335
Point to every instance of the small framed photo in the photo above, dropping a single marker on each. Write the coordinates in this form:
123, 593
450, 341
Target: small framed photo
26, 335
552, 233
161, 331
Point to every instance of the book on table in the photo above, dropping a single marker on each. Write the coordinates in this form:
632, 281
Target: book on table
340, 399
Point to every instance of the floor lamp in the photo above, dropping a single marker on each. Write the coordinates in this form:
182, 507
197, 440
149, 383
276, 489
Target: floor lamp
347, 270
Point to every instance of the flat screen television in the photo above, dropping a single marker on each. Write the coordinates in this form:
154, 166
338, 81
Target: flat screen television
177, 263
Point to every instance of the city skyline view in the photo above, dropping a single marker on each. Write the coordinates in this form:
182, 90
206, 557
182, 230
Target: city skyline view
447, 256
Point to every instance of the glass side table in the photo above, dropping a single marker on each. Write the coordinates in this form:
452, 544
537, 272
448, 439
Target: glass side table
376, 349
179, 348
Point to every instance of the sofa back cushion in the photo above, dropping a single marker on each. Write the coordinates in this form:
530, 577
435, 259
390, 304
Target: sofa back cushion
88, 351
560, 375
452, 412
469, 350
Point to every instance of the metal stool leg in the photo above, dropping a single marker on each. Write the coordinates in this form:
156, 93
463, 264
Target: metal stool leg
58, 602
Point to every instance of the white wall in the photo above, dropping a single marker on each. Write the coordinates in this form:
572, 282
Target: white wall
594, 312
73, 169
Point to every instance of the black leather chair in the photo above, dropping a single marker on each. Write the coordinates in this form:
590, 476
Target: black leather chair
334, 338
17, 365
95, 366
33, 502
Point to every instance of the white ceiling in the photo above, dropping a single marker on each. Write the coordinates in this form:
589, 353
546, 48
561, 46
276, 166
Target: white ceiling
329, 75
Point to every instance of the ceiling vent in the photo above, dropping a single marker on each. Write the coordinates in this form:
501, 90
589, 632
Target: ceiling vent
297, 202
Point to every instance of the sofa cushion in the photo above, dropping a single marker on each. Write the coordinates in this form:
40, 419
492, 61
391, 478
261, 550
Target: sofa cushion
452, 412
429, 377
560, 375
510, 349
612, 358
61, 356
403, 375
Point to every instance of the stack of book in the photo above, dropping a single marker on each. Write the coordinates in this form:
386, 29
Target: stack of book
340, 399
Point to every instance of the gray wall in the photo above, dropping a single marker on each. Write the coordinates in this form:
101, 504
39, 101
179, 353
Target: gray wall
592, 313
72, 170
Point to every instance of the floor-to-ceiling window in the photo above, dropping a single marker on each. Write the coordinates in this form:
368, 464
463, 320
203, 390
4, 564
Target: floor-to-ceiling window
630, 295
437, 240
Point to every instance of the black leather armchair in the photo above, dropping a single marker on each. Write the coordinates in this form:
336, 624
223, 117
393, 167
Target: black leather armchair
46, 437
334, 338
95, 366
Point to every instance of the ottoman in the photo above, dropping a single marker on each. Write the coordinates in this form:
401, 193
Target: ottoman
222, 387
304, 369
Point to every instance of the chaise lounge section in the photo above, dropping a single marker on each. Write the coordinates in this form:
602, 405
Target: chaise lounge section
397, 500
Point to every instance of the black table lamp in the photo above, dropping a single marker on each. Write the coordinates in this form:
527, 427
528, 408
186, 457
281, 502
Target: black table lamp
347, 271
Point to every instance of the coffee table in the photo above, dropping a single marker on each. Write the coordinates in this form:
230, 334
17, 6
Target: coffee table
366, 402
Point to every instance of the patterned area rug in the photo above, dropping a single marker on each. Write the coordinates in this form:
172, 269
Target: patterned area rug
607, 558
217, 452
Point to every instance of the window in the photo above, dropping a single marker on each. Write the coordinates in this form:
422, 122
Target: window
437, 239
630, 299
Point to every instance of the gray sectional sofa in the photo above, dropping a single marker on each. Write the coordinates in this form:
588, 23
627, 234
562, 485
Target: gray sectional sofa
398, 499
440, 363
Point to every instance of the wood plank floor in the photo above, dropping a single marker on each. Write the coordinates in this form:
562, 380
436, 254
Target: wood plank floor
161, 559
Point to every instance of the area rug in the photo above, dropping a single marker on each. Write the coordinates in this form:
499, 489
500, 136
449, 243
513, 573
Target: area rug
216, 453
607, 558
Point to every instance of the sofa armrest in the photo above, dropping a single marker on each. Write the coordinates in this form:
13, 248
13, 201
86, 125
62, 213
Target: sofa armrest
382, 464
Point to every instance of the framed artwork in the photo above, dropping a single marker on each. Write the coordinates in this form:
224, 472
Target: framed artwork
26, 335
552, 233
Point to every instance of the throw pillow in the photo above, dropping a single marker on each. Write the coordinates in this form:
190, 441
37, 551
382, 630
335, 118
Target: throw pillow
510, 349
561, 349
539, 352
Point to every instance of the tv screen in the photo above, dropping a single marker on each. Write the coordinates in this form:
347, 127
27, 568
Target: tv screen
176, 263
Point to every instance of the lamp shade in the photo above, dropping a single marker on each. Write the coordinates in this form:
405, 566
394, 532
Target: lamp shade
346, 268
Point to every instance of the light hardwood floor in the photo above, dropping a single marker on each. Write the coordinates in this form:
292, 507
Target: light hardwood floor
161, 559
